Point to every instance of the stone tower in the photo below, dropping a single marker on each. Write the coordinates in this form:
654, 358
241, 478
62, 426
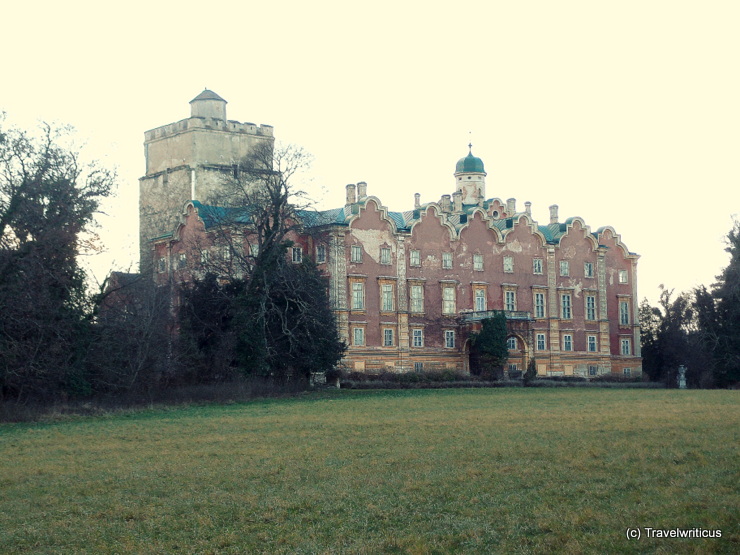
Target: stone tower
188, 160
470, 178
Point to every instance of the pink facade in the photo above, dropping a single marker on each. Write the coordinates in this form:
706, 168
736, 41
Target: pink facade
409, 287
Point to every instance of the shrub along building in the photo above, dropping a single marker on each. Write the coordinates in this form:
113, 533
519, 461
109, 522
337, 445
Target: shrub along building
408, 288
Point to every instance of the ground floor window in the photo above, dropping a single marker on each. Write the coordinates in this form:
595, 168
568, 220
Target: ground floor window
592, 370
418, 367
541, 342
358, 338
567, 342
388, 337
592, 343
626, 347
450, 339
627, 372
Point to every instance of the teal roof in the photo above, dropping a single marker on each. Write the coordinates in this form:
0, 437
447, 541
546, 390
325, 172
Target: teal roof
470, 163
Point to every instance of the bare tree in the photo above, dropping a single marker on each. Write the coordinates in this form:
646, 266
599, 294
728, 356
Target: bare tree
282, 313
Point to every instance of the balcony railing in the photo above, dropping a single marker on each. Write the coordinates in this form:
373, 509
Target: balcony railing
477, 315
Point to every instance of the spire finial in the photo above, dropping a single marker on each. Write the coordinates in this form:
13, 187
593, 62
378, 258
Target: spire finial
470, 143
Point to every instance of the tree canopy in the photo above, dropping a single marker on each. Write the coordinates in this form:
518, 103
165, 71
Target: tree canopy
48, 199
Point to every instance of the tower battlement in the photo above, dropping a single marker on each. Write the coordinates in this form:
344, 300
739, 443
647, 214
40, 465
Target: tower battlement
211, 124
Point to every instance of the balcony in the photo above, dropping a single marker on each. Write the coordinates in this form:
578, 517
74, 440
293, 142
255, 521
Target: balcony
478, 315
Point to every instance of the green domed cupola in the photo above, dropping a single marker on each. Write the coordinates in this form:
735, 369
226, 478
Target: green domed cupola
470, 178
470, 163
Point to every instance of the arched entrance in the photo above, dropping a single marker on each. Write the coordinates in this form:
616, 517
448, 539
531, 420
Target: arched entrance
518, 351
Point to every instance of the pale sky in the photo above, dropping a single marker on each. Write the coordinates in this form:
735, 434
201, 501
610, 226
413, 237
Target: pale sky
624, 113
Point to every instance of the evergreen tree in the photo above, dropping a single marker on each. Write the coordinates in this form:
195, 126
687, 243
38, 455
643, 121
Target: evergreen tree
490, 344
721, 320
47, 202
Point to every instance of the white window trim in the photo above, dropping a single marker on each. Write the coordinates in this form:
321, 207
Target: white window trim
417, 333
544, 342
385, 337
508, 264
361, 331
567, 338
449, 333
564, 268
534, 266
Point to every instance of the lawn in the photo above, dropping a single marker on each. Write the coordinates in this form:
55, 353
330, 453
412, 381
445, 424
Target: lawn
406, 471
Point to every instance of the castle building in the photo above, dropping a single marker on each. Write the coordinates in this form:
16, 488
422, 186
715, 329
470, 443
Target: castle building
408, 288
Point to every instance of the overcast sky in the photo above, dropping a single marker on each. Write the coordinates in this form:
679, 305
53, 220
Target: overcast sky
624, 113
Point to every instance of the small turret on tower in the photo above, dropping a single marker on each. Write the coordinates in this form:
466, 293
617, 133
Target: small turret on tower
208, 105
470, 177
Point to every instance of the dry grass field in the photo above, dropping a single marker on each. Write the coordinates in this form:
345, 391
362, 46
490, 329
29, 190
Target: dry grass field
444, 471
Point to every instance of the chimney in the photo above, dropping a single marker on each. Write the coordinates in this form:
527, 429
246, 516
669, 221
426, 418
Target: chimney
350, 193
528, 208
361, 190
554, 214
457, 202
417, 200
510, 207
445, 202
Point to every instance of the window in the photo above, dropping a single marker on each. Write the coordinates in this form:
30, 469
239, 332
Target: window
226, 253
388, 337
478, 262
564, 268
446, 260
162, 265
511, 343
182, 261
358, 338
416, 292
626, 346
537, 266
418, 337
418, 367
385, 255
355, 253
590, 307
565, 306
480, 300
539, 305
297, 255
567, 342
627, 372
254, 250
624, 313
415, 258
588, 269
591, 343
321, 254
593, 370
622, 276
205, 256
358, 295
508, 264
448, 300
450, 339
386, 291
541, 345
510, 300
